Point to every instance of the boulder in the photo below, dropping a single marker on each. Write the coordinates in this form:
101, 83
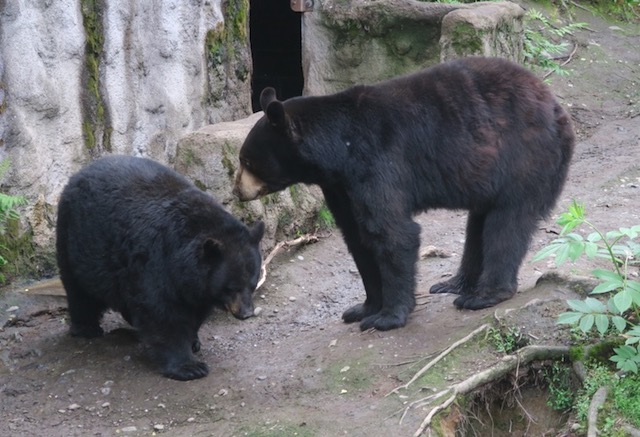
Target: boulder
209, 157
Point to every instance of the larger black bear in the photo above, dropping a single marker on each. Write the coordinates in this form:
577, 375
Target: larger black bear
480, 134
137, 237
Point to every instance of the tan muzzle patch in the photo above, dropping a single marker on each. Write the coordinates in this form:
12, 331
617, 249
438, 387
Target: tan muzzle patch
247, 185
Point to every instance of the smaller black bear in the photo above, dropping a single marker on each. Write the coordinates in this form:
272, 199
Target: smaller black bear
481, 134
137, 237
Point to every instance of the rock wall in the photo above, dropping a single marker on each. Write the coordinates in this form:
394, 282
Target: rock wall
346, 42
81, 78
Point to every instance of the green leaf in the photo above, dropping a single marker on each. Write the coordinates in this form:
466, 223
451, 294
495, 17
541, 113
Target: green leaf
619, 323
602, 323
579, 306
623, 300
576, 249
569, 318
595, 306
605, 287
594, 237
607, 275
563, 254
629, 232
590, 249
612, 235
546, 251
586, 323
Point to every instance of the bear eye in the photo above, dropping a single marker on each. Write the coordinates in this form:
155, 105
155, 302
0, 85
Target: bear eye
245, 163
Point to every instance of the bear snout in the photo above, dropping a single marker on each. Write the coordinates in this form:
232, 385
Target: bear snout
240, 306
248, 186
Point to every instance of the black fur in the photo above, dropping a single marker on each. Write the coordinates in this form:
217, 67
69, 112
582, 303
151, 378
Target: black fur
137, 237
481, 134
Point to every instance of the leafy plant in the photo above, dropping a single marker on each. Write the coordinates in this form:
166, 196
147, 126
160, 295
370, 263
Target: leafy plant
507, 340
543, 40
561, 393
7, 210
621, 311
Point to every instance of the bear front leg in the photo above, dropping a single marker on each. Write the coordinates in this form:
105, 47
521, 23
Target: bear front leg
340, 206
396, 251
370, 274
173, 353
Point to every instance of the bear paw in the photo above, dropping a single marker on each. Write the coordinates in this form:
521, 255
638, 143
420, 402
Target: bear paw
480, 301
86, 331
455, 285
357, 313
187, 371
383, 321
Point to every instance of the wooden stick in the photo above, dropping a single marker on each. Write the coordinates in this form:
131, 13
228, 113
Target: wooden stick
305, 239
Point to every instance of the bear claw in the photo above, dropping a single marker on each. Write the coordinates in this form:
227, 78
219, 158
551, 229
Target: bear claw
476, 302
357, 312
188, 371
383, 321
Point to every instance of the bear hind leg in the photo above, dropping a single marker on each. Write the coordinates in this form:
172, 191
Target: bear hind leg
466, 279
506, 237
85, 312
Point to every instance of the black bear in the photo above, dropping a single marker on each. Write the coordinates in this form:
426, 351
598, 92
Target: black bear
481, 134
136, 237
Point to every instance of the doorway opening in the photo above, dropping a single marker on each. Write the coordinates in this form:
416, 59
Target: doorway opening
276, 48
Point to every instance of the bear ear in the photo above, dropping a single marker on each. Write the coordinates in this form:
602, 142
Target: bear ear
211, 248
267, 96
256, 231
276, 115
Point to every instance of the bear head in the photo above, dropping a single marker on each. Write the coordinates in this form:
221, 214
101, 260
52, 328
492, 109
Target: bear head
269, 158
234, 265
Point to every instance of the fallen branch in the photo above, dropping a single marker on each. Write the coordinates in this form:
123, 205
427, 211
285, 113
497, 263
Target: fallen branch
494, 373
597, 401
433, 362
305, 239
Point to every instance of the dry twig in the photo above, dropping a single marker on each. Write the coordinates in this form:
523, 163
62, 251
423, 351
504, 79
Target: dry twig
305, 239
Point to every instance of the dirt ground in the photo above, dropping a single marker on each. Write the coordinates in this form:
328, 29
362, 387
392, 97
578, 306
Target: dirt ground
296, 369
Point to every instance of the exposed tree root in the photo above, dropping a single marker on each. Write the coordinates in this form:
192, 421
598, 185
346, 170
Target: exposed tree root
433, 362
305, 239
597, 401
508, 364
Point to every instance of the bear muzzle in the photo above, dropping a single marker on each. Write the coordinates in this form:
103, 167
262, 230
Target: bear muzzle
248, 186
241, 306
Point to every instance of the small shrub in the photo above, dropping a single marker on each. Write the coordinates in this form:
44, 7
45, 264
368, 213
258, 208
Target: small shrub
621, 311
8, 211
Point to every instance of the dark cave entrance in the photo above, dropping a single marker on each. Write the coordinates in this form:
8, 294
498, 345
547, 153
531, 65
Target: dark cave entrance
276, 49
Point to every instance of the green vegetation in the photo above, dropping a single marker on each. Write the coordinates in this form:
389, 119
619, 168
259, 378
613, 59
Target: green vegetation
560, 384
544, 40
325, 219
620, 313
94, 126
623, 399
506, 340
8, 216
611, 321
